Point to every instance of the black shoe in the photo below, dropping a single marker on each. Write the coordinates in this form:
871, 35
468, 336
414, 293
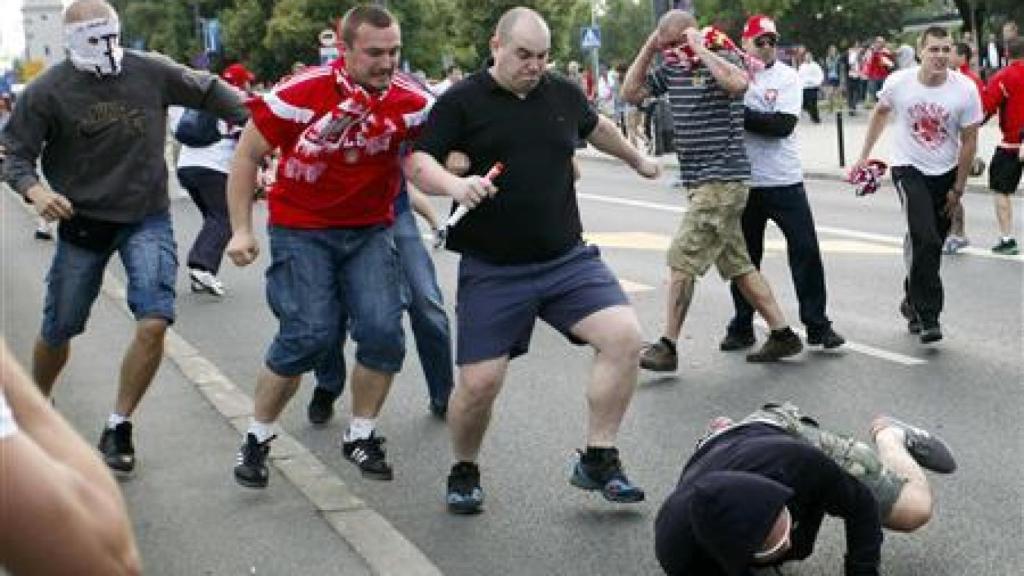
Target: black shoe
928, 450
659, 357
827, 338
251, 468
321, 406
438, 409
464, 495
780, 344
368, 454
737, 341
908, 312
602, 471
930, 332
116, 446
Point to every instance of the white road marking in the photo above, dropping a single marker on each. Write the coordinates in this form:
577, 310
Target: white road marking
881, 238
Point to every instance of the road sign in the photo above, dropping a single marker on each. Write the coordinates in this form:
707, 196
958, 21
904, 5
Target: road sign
211, 35
590, 37
327, 37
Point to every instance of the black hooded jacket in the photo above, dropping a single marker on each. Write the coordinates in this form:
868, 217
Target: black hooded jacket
734, 487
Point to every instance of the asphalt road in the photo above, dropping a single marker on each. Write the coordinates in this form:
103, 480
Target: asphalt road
968, 388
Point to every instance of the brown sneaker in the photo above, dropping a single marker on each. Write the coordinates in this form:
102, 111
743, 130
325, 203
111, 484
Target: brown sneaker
780, 344
659, 357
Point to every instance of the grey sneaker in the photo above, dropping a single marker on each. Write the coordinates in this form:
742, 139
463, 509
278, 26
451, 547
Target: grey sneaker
659, 357
928, 450
780, 344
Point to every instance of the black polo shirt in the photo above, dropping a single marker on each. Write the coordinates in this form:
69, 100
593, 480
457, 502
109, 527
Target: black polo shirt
534, 216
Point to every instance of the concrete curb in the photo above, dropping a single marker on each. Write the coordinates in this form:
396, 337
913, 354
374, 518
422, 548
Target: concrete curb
384, 549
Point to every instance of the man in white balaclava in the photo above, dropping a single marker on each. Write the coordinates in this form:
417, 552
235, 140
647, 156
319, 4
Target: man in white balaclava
97, 121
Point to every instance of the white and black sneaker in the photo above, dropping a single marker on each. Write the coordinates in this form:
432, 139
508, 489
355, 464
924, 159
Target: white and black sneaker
251, 462
368, 454
206, 282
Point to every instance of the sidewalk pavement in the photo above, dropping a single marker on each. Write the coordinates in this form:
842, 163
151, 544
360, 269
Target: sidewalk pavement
819, 148
190, 516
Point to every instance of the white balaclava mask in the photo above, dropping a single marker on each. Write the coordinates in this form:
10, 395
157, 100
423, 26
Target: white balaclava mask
94, 45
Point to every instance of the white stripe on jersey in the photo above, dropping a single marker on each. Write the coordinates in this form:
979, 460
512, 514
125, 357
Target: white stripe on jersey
287, 111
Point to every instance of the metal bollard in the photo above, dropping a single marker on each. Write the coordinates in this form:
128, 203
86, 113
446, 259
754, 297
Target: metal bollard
839, 137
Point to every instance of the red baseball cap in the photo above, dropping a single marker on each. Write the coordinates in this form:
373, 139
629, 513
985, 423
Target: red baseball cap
237, 75
759, 25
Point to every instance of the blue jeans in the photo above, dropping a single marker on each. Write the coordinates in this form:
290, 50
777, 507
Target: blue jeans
314, 276
425, 305
786, 206
150, 258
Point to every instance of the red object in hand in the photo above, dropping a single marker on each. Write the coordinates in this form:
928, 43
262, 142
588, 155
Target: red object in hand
868, 178
494, 172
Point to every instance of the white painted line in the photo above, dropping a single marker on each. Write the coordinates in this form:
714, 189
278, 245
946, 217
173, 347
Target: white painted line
634, 203
862, 349
882, 238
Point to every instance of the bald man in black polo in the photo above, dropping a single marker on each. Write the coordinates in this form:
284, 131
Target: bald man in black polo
523, 256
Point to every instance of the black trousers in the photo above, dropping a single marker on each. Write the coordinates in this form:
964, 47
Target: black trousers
811, 104
208, 189
924, 203
787, 206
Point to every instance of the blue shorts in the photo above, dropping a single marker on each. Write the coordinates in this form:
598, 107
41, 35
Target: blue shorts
150, 258
497, 305
316, 275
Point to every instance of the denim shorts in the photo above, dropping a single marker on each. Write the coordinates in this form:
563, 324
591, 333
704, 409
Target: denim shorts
150, 258
711, 233
316, 275
497, 305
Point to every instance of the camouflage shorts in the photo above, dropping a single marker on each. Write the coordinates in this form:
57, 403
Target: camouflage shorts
855, 457
710, 232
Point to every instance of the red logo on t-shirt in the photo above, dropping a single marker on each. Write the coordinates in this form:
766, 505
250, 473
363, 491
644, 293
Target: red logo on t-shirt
928, 124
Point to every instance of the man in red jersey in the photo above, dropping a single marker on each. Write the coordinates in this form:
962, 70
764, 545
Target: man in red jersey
1005, 94
339, 129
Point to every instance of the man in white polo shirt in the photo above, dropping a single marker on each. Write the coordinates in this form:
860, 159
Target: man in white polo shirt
937, 113
771, 110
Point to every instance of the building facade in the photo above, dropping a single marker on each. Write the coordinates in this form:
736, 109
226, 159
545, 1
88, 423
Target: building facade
44, 35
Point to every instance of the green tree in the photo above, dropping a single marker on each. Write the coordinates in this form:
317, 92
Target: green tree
474, 26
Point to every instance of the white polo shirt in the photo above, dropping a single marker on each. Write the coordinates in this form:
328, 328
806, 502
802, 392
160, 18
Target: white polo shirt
928, 119
774, 161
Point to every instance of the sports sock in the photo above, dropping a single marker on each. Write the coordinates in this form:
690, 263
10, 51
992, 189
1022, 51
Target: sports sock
359, 429
114, 420
261, 430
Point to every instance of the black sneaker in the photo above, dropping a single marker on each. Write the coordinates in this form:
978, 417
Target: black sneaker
827, 338
930, 332
603, 472
438, 409
465, 496
116, 446
321, 406
928, 450
251, 468
659, 357
780, 344
908, 312
737, 341
1006, 247
369, 455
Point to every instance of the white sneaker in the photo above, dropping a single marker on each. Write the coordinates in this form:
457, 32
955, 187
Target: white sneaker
203, 281
954, 244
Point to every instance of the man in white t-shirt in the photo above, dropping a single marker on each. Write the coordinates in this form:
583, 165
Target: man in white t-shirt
771, 109
937, 113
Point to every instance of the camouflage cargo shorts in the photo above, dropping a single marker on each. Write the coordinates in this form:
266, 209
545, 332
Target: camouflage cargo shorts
711, 233
855, 457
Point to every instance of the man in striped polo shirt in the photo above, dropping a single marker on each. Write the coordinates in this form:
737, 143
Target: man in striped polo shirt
705, 88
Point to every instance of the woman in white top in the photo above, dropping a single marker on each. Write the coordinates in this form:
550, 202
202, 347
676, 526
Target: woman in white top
811, 76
